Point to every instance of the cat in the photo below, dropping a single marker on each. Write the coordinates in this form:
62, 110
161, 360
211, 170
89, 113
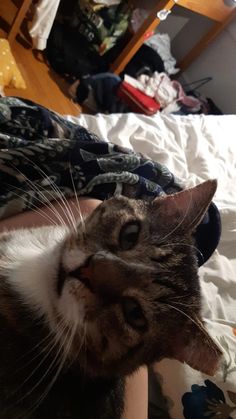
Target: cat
81, 308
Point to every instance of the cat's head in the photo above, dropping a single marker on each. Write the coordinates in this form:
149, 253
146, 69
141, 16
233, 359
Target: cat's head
128, 285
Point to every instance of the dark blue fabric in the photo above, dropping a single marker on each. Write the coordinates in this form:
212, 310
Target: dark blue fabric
40, 149
103, 86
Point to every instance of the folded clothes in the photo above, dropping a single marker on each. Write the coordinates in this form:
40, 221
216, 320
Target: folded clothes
157, 86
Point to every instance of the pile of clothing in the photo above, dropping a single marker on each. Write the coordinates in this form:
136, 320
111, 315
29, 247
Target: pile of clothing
168, 93
100, 23
109, 93
159, 42
83, 35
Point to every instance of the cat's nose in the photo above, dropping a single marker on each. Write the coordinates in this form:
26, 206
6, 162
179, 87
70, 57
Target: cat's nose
87, 270
98, 273
84, 273
105, 274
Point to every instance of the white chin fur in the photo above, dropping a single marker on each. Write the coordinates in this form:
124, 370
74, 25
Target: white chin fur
34, 256
70, 305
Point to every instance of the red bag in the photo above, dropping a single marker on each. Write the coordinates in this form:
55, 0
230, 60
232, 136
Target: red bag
138, 101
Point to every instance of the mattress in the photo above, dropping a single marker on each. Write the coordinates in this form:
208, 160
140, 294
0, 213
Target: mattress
194, 148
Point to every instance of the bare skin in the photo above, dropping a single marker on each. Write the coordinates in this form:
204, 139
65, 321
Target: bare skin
136, 395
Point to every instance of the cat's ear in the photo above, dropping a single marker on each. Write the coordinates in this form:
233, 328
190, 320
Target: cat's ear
184, 210
201, 353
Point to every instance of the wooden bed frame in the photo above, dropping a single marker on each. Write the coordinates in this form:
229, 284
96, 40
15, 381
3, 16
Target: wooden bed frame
217, 10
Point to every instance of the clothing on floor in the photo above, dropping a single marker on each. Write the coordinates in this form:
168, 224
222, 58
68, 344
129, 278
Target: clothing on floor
145, 61
160, 42
157, 86
102, 28
168, 93
103, 87
67, 53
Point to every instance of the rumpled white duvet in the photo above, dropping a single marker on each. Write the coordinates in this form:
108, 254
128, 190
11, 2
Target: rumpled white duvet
195, 148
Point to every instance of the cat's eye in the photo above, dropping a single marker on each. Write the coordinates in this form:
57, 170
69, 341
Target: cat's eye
129, 235
133, 313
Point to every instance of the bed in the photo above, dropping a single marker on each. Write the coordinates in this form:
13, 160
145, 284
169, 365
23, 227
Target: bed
195, 148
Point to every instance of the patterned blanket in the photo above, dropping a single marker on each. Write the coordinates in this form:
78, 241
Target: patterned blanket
42, 156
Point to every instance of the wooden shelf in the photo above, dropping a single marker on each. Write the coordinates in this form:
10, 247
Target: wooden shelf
216, 10
213, 9
138, 38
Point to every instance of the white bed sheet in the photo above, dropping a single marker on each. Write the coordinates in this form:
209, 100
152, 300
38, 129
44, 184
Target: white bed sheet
195, 148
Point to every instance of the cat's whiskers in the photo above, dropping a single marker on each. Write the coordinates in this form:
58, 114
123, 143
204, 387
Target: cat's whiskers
195, 321
181, 221
194, 219
84, 338
48, 349
65, 348
50, 368
180, 297
45, 200
78, 204
200, 326
64, 207
50, 335
184, 244
49, 202
34, 207
84, 347
184, 304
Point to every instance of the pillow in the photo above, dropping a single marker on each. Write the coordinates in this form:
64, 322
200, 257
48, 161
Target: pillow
9, 73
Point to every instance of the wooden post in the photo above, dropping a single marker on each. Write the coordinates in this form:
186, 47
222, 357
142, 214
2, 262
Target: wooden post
138, 38
18, 20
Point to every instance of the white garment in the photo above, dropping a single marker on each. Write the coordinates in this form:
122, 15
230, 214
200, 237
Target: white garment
2, 93
160, 42
41, 26
137, 18
159, 86
107, 2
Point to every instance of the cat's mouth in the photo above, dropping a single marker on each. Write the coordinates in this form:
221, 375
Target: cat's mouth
81, 274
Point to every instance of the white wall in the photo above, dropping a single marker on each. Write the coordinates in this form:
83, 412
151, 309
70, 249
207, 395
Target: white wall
218, 60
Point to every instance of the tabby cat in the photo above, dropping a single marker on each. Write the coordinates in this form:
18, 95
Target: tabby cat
82, 308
